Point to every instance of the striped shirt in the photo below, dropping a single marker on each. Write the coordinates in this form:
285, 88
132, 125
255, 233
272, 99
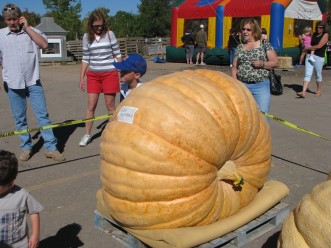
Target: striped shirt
19, 55
101, 53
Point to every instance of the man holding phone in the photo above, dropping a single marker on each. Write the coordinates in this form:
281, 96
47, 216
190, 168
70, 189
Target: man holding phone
19, 45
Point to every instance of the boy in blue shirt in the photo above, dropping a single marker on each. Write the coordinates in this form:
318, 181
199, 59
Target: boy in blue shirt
131, 69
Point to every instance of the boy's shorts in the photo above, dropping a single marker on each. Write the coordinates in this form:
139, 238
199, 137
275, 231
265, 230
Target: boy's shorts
103, 82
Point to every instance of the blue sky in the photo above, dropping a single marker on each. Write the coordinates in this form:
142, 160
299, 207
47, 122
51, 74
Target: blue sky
37, 6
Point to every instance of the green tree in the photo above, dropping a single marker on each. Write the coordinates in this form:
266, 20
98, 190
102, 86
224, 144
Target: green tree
66, 13
124, 24
2, 22
176, 2
32, 18
329, 16
155, 17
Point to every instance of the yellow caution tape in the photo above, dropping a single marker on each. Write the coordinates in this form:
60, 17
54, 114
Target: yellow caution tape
69, 123
63, 124
291, 125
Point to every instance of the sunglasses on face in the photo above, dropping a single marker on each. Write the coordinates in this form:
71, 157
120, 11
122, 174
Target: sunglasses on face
320, 27
9, 9
98, 26
246, 29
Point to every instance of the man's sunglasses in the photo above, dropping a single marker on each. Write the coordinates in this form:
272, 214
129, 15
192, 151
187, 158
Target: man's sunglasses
9, 9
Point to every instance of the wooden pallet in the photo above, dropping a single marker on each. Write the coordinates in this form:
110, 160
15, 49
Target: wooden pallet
253, 229
103, 223
238, 238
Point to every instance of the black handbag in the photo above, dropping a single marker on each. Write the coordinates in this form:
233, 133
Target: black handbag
276, 87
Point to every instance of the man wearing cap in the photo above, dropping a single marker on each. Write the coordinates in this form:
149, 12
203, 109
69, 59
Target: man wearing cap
19, 45
201, 40
131, 69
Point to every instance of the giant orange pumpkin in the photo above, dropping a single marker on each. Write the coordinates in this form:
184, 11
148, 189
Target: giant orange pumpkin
185, 149
309, 224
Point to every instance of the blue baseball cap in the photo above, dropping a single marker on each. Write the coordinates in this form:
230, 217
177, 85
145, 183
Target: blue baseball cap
134, 62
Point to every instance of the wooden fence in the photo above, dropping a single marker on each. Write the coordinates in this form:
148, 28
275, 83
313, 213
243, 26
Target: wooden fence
143, 46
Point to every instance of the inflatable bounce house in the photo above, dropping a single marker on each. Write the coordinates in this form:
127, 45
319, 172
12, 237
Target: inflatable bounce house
284, 21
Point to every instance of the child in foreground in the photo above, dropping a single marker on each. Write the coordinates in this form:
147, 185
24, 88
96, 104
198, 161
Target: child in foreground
15, 204
131, 69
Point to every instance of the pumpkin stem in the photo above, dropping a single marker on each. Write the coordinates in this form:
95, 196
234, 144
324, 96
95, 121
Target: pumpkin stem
229, 172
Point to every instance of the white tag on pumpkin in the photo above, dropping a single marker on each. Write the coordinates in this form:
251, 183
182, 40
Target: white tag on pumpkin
126, 114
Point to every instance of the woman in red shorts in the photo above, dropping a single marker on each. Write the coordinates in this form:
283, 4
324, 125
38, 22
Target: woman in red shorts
100, 49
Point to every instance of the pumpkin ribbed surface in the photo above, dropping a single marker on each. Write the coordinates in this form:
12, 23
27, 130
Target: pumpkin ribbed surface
309, 224
180, 147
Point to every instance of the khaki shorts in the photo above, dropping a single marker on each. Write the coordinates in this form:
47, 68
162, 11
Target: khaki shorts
201, 48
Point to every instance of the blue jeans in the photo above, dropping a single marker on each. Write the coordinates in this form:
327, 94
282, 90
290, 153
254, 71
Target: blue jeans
18, 105
261, 94
310, 66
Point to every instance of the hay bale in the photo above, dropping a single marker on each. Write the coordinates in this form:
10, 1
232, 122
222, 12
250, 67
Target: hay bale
285, 62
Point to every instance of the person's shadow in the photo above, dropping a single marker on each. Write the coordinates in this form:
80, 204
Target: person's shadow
101, 127
66, 237
272, 241
61, 133
295, 87
298, 88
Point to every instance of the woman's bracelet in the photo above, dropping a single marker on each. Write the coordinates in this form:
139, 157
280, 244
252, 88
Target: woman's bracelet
263, 64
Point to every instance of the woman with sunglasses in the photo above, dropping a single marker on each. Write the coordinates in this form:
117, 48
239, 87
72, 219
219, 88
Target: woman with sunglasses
100, 49
252, 61
318, 45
